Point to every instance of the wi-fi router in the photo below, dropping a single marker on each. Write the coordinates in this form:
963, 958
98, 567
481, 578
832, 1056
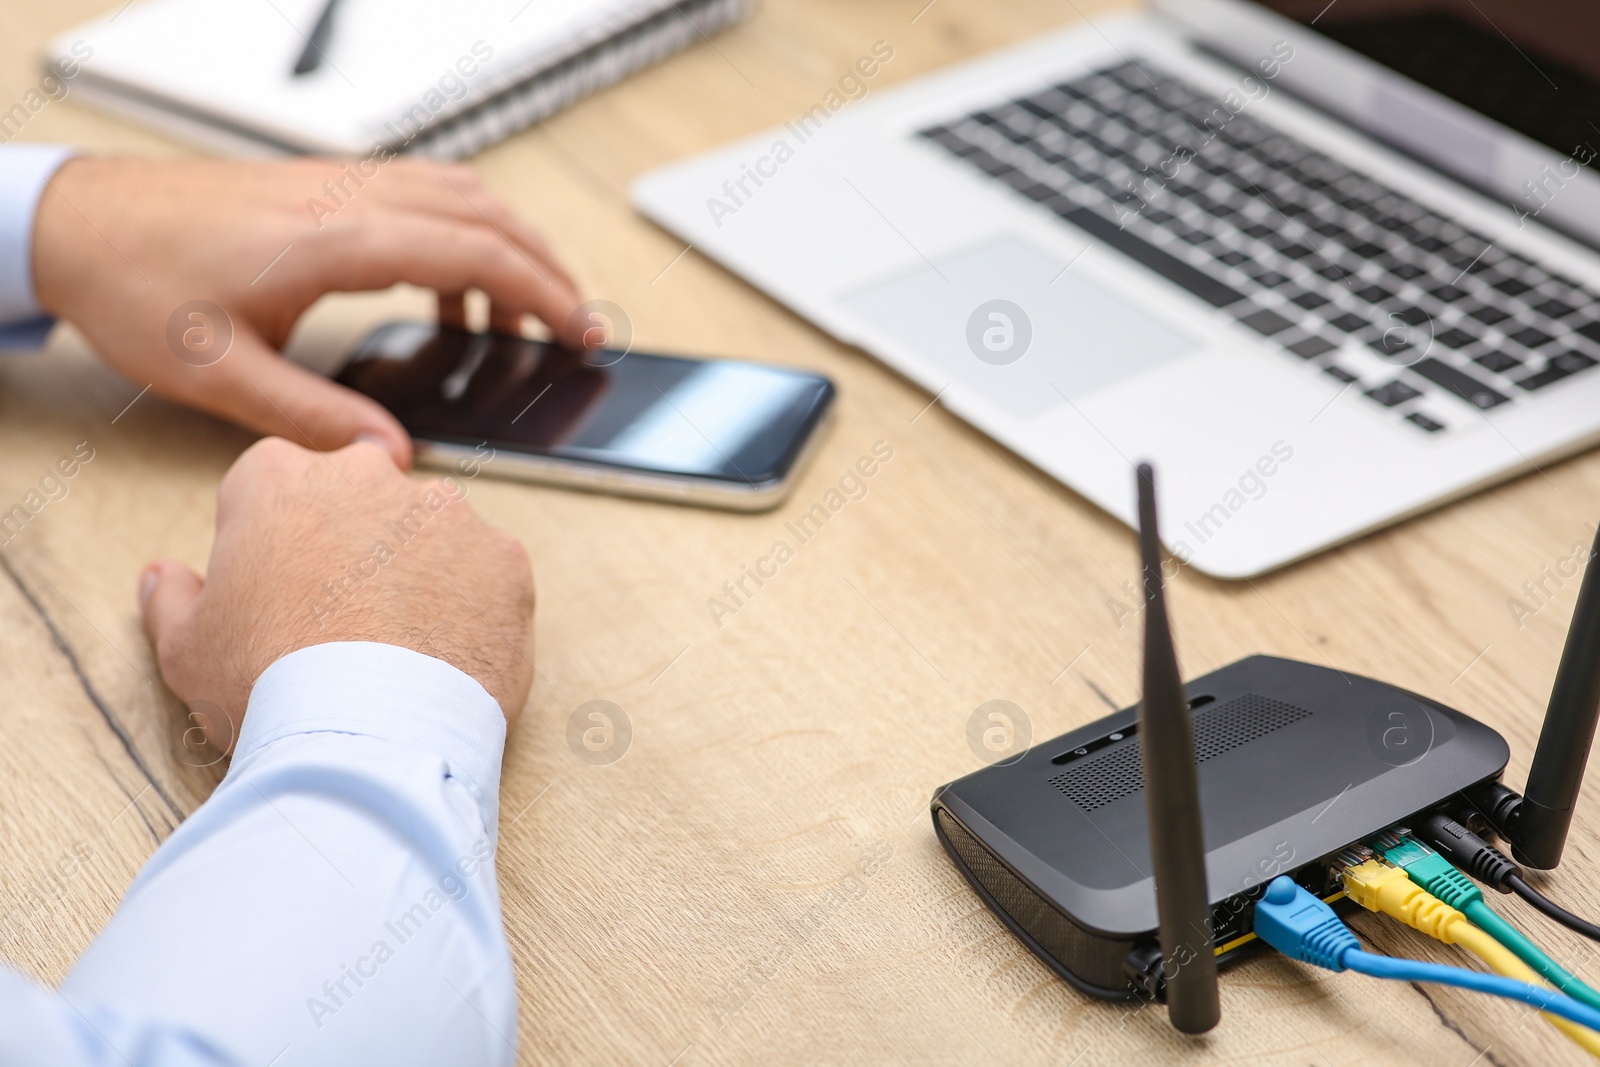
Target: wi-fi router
1128, 855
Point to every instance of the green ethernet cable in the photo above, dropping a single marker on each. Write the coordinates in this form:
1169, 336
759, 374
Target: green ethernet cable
1439, 877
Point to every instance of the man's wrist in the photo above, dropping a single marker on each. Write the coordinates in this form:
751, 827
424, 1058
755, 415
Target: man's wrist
25, 172
383, 691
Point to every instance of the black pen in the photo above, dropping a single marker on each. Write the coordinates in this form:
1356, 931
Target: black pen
311, 58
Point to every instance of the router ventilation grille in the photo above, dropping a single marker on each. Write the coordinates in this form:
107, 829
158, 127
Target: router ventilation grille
1119, 773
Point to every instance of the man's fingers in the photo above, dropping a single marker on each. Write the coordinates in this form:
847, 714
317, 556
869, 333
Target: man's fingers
167, 592
458, 193
453, 310
502, 320
449, 256
168, 595
258, 389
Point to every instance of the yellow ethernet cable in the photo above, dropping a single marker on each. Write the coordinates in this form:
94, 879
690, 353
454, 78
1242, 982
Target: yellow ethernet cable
1440, 877
1379, 887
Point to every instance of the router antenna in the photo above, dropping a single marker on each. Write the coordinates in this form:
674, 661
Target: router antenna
1538, 832
1172, 801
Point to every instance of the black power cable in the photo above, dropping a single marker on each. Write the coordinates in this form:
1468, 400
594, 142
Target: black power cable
1489, 865
1551, 910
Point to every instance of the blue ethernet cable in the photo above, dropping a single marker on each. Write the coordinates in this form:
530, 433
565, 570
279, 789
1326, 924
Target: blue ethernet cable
1440, 877
1300, 926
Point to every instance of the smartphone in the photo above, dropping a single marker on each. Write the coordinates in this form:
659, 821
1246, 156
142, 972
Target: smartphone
718, 432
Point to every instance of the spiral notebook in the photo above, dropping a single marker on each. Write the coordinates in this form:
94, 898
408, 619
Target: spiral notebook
439, 79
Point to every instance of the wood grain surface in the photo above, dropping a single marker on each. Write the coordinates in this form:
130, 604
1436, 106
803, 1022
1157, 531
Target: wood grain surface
756, 878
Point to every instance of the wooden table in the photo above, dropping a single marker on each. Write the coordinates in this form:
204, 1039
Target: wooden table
756, 879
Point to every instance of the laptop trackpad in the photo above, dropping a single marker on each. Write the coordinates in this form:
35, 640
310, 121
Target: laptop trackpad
1018, 325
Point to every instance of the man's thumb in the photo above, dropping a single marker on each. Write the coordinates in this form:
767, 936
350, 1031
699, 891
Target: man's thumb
167, 592
259, 389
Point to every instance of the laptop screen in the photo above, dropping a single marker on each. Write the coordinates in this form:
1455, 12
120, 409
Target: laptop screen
1531, 65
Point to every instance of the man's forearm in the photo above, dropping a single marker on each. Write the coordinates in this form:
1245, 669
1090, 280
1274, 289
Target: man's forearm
333, 902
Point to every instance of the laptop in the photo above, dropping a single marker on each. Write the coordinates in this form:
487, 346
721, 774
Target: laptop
1326, 265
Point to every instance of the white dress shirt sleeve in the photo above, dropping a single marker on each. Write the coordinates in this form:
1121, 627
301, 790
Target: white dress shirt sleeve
333, 902
25, 170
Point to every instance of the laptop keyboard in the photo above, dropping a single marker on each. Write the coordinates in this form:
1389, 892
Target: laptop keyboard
1358, 281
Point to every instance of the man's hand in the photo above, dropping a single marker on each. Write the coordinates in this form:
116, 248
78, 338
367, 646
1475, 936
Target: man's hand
338, 547
121, 245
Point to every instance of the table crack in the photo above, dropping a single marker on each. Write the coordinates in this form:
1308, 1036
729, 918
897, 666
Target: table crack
1450, 1024
89, 690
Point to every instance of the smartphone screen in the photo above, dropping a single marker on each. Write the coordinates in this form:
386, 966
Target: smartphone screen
719, 419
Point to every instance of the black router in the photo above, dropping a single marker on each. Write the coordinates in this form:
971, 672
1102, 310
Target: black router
1131, 883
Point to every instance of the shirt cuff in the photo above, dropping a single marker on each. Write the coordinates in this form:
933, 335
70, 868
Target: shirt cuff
28, 333
25, 170
386, 692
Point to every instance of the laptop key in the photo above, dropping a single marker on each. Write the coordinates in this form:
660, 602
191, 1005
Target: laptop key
1573, 362
1417, 418
1374, 294
1488, 315
1499, 362
1411, 316
1390, 344
1591, 330
1393, 393
1511, 286
1036, 191
1143, 252
1454, 337
1312, 347
1266, 322
1336, 371
1448, 294
1308, 300
1532, 337
1559, 367
949, 139
1459, 384
1554, 309
1349, 323
992, 166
